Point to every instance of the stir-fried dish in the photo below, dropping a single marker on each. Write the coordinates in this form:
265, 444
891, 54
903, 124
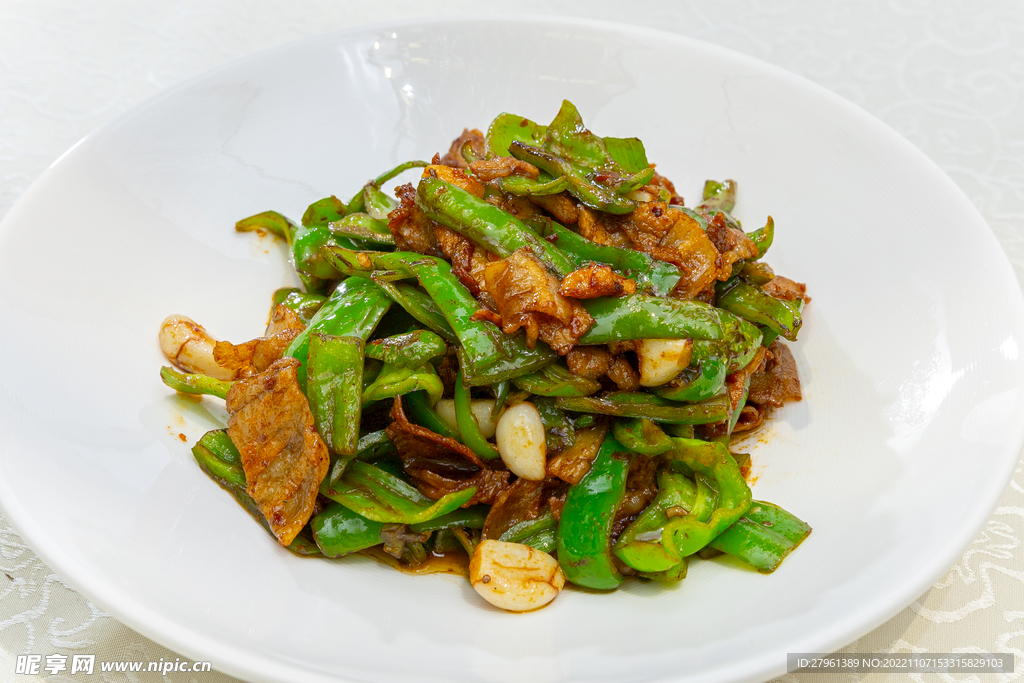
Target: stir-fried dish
529, 366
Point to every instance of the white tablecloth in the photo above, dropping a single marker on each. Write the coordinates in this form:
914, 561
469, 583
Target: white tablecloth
947, 74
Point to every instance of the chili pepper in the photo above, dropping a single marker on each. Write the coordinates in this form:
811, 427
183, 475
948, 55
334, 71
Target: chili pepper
526, 187
720, 196
757, 273
358, 202
628, 153
556, 380
753, 304
640, 316
517, 359
420, 306
559, 432
478, 339
374, 445
382, 497
763, 237
303, 304
335, 384
530, 528
339, 531
584, 531
540, 533
362, 227
701, 381
469, 429
396, 380
377, 204
594, 195
218, 457
353, 310
486, 355
324, 211
642, 436
508, 127
486, 224
657, 276
411, 349
464, 518
272, 222
654, 408
501, 390
194, 383
763, 536
669, 576
306, 257
640, 545
686, 535
421, 412
568, 137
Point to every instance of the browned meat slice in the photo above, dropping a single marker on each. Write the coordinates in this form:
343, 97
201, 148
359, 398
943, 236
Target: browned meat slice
467, 259
778, 382
526, 296
595, 280
572, 464
438, 465
561, 206
454, 156
591, 362
520, 207
412, 230
689, 248
624, 374
456, 176
257, 355
641, 488
649, 223
283, 456
783, 288
518, 503
502, 167
594, 229
419, 441
732, 244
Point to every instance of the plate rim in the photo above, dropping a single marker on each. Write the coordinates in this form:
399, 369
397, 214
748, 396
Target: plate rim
231, 660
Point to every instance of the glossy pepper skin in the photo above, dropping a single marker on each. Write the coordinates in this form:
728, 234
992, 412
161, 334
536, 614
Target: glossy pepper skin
486, 355
556, 380
353, 310
486, 224
383, 497
469, 429
194, 383
655, 408
411, 349
763, 536
593, 194
683, 536
339, 531
752, 303
584, 531
334, 386
303, 304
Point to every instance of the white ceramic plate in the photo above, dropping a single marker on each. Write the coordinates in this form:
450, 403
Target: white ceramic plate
908, 432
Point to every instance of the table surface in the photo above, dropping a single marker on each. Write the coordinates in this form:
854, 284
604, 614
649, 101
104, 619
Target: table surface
946, 74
